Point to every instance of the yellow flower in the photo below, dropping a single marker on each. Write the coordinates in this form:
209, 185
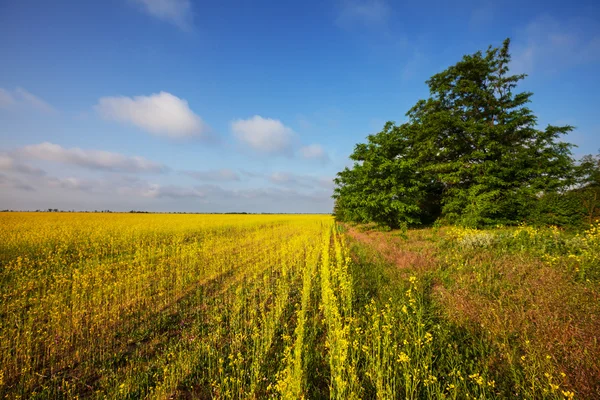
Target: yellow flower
477, 378
568, 394
428, 337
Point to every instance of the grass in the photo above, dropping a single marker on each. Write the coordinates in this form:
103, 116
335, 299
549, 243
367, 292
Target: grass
509, 310
205, 306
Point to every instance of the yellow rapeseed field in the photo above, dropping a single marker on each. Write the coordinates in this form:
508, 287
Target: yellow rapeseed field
145, 305
291, 306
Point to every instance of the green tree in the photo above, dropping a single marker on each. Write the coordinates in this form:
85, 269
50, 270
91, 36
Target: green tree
480, 140
472, 148
384, 186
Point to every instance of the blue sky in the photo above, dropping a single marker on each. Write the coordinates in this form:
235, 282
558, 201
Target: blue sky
180, 105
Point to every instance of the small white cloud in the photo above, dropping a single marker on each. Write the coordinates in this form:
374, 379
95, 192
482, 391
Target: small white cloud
219, 175
73, 183
314, 152
550, 45
369, 13
8, 163
415, 66
171, 191
161, 114
281, 178
34, 101
91, 159
301, 181
523, 60
24, 99
264, 135
177, 12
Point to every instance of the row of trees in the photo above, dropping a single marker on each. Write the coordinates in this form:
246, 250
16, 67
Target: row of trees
471, 154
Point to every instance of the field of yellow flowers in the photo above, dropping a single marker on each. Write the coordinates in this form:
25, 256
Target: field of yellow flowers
130, 306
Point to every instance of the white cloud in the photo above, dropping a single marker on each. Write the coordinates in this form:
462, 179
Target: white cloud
161, 114
550, 45
6, 98
112, 184
314, 152
8, 163
213, 198
285, 200
415, 66
124, 192
325, 183
91, 159
219, 175
72, 183
281, 178
10, 182
171, 191
369, 13
34, 101
301, 181
264, 135
177, 12
24, 99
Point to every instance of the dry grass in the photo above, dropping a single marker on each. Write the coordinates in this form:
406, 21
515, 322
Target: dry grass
540, 305
537, 317
419, 255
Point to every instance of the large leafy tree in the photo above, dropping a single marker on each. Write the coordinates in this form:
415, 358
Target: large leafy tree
471, 148
384, 185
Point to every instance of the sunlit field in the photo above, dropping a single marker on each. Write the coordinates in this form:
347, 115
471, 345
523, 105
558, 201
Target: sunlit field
293, 306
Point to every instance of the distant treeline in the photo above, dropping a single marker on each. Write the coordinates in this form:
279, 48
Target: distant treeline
471, 155
162, 212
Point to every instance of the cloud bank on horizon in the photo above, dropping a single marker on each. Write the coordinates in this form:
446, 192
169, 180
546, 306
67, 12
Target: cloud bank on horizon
173, 105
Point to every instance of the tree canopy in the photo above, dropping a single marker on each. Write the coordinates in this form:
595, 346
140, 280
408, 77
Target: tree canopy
470, 154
